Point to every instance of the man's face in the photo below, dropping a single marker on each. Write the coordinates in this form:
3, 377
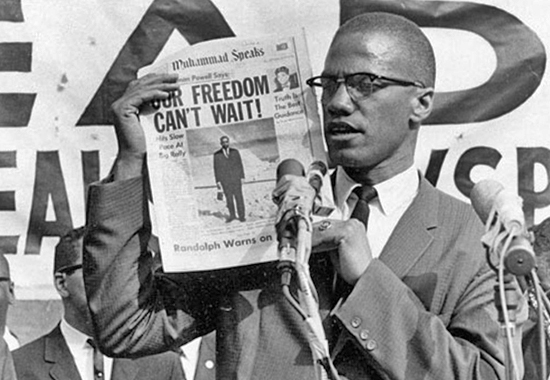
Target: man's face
6, 292
374, 133
282, 77
70, 286
75, 285
224, 142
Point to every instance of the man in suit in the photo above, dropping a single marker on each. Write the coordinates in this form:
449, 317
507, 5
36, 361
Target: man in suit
229, 176
65, 353
414, 294
7, 370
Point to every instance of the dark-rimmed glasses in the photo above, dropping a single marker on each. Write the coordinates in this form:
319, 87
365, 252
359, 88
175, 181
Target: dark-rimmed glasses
358, 85
6, 279
70, 269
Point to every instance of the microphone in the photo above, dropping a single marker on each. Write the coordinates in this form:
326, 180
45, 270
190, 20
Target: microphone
296, 208
287, 223
488, 198
289, 212
290, 166
488, 194
315, 174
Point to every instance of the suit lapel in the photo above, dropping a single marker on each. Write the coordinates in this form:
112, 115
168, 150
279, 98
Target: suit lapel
412, 236
57, 352
207, 352
124, 369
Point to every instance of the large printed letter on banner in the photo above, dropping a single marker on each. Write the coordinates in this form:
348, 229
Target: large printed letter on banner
196, 20
521, 58
15, 108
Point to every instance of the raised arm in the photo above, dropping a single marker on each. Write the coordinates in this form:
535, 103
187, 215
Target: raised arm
129, 133
135, 311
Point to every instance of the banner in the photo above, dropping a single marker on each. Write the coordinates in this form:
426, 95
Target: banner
62, 66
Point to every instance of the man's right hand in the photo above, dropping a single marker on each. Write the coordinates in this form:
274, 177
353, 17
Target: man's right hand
130, 136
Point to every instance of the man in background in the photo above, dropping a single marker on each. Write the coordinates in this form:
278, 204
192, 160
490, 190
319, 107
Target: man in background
7, 370
69, 352
229, 176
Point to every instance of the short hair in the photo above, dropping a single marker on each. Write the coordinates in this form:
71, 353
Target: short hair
413, 42
4, 266
282, 69
224, 138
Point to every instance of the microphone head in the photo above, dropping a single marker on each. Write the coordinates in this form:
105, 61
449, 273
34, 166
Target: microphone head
489, 194
319, 166
290, 166
483, 195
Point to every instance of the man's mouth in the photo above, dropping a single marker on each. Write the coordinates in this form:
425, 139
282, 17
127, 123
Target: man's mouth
336, 128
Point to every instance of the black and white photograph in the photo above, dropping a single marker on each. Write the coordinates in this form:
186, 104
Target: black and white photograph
430, 260
233, 169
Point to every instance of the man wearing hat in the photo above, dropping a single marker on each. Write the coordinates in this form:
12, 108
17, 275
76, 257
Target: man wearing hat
7, 371
68, 352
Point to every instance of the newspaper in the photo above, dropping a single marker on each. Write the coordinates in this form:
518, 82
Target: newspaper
251, 92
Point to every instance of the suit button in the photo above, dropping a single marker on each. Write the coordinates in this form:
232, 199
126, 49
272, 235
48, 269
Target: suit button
364, 334
371, 345
209, 364
356, 322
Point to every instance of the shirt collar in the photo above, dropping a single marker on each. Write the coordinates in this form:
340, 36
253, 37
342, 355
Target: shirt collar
391, 193
73, 337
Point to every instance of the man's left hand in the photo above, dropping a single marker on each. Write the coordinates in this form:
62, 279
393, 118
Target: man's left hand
349, 248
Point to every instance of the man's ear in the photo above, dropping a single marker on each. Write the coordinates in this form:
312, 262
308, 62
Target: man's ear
11, 299
422, 105
60, 283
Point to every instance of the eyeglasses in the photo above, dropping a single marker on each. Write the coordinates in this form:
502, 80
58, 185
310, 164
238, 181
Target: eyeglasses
358, 85
70, 269
7, 279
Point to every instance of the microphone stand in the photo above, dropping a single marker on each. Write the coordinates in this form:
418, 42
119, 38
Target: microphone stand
506, 302
538, 301
294, 257
497, 242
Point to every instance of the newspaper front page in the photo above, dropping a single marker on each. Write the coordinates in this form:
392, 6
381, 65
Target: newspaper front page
214, 146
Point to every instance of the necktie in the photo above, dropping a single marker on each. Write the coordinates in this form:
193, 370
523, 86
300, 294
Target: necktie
361, 211
98, 361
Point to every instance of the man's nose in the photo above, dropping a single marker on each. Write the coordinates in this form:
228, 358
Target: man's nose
340, 101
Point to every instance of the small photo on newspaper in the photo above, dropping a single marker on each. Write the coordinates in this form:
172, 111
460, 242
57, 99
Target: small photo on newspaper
214, 146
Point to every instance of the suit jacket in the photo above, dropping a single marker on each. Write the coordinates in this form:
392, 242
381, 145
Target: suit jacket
206, 363
48, 357
423, 310
228, 170
7, 370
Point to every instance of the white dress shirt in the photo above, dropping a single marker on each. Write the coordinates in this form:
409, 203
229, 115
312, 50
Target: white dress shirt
394, 197
189, 357
83, 353
10, 339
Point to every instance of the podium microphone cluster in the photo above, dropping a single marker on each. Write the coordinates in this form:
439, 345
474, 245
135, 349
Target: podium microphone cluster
287, 226
317, 170
490, 198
